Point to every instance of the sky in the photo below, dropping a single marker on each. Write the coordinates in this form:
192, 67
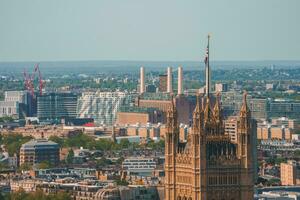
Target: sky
150, 30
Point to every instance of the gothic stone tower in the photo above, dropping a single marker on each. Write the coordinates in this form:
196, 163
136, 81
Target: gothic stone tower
209, 166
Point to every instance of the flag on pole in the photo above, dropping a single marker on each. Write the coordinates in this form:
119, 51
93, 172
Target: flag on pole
206, 56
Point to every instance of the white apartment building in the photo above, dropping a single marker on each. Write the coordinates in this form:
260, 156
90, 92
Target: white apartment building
102, 106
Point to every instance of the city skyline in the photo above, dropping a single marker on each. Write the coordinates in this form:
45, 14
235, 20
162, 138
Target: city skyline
154, 31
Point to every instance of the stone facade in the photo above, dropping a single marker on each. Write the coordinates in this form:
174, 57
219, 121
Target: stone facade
209, 166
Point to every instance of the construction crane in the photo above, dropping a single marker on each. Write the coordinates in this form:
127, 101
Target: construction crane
29, 80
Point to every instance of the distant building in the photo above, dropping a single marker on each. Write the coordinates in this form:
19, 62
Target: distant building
162, 102
231, 128
284, 108
290, 173
40, 150
139, 166
269, 86
134, 115
232, 101
289, 123
278, 195
9, 109
102, 106
127, 193
56, 106
150, 88
221, 87
163, 83
28, 185
268, 132
17, 104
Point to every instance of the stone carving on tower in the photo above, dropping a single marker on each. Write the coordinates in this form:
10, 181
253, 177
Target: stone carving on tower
208, 166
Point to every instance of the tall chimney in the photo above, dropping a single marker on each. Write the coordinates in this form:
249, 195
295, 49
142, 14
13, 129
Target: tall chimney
169, 80
180, 79
142, 80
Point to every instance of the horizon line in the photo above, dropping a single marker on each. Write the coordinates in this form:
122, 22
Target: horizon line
125, 60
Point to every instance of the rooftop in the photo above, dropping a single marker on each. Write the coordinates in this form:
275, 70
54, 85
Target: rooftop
39, 143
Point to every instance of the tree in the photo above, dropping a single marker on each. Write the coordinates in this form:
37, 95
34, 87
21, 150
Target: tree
103, 162
80, 140
60, 196
122, 182
37, 195
124, 143
156, 145
44, 165
70, 157
58, 140
25, 167
3, 166
19, 195
297, 153
104, 144
13, 142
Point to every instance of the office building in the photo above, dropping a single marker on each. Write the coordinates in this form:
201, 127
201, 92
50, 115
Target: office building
39, 150
290, 173
56, 106
139, 166
286, 122
284, 108
269, 86
231, 128
150, 88
221, 87
232, 102
272, 132
16, 104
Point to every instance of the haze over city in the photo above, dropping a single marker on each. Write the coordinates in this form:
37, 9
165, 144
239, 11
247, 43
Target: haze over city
149, 100
148, 30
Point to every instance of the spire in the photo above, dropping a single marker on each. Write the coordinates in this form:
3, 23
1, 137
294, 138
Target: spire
217, 109
207, 69
197, 108
245, 111
172, 115
245, 114
207, 111
196, 115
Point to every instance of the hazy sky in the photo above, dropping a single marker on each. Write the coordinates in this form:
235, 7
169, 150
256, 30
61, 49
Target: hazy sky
40, 30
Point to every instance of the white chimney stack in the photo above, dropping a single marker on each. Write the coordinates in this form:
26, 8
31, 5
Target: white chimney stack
180, 79
142, 80
169, 80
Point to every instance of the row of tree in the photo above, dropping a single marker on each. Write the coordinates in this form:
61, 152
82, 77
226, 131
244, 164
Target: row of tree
37, 195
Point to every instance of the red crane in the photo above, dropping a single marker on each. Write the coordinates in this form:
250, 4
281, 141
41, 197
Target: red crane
28, 80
